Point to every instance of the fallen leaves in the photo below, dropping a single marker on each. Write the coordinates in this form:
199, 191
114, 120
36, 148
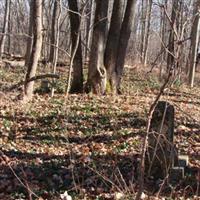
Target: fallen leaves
72, 148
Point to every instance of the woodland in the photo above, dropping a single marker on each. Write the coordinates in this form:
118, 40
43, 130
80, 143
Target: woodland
82, 84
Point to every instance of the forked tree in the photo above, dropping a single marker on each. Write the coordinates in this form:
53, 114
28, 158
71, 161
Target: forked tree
107, 64
110, 56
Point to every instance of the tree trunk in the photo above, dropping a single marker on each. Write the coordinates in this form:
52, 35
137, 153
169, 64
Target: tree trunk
163, 31
36, 50
147, 31
171, 45
77, 80
194, 42
29, 44
143, 25
110, 56
54, 30
88, 13
55, 37
92, 16
9, 31
5, 27
125, 32
96, 82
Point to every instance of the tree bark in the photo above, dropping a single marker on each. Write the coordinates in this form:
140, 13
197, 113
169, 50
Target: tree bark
5, 27
194, 42
55, 38
96, 82
92, 16
54, 30
147, 31
110, 56
125, 33
77, 79
29, 43
36, 50
9, 31
143, 25
88, 13
171, 45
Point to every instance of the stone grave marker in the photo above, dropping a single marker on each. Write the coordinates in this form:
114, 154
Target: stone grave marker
162, 159
161, 154
45, 86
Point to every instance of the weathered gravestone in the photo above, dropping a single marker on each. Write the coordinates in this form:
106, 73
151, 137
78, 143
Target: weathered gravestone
45, 86
161, 154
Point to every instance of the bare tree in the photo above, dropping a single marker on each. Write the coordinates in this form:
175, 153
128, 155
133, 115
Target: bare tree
194, 42
125, 32
36, 50
55, 35
110, 56
77, 81
143, 25
147, 31
97, 73
164, 34
172, 35
30, 35
9, 30
55, 30
5, 27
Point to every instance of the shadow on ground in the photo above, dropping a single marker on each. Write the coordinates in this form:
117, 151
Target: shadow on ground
54, 174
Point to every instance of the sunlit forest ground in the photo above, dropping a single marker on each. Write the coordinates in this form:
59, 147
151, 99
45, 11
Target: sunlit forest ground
89, 145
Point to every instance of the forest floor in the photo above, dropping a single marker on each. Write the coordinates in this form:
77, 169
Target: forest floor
87, 145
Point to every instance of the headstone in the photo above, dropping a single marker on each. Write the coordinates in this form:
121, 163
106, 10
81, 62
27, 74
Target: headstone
45, 86
161, 154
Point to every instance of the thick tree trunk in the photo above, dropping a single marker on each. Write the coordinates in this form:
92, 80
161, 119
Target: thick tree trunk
110, 56
77, 80
125, 33
5, 27
194, 42
36, 50
96, 82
